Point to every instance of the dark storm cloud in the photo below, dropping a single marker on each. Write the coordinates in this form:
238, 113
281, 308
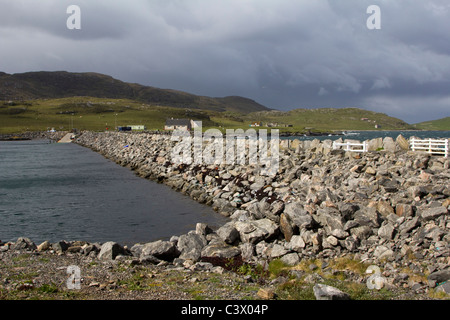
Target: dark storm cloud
284, 54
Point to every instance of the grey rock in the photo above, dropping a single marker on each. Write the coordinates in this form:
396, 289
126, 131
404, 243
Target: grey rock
368, 217
298, 216
254, 231
24, 243
277, 251
190, 246
60, 246
445, 287
110, 250
203, 229
164, 250
297, 243
220, 249
228, 233
440, 276
362, 232
386, 231
434, 213
382, 252
324, 292
409, 225
247, 251
291, 259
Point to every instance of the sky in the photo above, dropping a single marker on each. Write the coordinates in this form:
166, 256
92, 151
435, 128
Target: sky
284, 54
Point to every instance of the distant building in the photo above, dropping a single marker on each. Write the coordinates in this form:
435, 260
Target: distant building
179, 124
377, 126
137, 127
255, 124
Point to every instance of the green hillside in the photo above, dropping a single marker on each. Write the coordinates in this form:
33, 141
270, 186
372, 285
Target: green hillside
61, 84
440, 124
90, 113
322, 119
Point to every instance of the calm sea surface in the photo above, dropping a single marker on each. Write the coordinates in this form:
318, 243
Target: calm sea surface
66, 192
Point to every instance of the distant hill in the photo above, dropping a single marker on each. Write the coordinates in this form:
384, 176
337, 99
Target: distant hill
440, 124
61, 84
330, 119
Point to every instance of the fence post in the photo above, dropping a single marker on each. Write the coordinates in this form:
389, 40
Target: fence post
446, 147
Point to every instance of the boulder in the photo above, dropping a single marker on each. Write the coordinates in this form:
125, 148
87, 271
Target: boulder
389, 145
297, 243
402, 143
324, 292
60, 246
110, 250
220, 249
24, 243
386, 231
286, 227
254, 231
44, 246
164, 250
433, 213
298, 215
190, 246
375, 144
228, 233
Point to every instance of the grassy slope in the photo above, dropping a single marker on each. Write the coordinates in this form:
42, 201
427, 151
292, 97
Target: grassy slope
441, 124
87, 113
325, 119
60, 84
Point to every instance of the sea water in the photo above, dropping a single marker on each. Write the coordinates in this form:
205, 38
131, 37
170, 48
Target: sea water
54, 192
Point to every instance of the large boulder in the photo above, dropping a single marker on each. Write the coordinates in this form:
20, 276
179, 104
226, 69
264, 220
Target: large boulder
164, 250
402, 143
298, 215
228, 233
190, 246
24, 243
110, 250
324, 292
254, 231
220, 249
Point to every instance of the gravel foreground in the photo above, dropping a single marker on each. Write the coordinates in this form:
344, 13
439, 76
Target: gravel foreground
46, 275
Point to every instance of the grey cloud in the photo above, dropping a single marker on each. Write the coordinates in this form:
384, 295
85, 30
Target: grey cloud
284, 54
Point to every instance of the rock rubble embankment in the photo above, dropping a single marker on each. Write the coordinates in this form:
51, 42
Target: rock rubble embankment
388, 205
388, 208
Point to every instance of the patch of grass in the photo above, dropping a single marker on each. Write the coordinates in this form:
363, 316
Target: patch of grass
346, 263
48, 288
278, 268
300, 290
440, 124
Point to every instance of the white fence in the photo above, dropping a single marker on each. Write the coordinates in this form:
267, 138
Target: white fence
433, 146
350, 146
